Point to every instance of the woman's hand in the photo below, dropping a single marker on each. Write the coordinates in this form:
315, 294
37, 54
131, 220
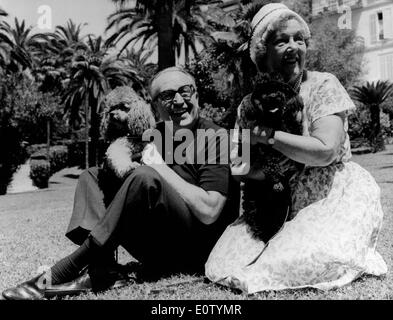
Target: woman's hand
260, 135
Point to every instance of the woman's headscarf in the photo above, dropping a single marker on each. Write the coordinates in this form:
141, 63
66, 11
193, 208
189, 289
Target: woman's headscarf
263, 24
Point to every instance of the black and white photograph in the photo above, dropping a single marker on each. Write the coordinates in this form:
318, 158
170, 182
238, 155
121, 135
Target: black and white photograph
216, 152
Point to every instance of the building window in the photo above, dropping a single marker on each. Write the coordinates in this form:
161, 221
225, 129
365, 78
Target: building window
381, 25
386, 66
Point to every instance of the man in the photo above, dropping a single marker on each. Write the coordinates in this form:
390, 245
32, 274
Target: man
168, 216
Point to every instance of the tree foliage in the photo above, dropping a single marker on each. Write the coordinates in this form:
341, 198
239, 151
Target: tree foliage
29, 109
170, 26
373, 95
335, 50
92, 74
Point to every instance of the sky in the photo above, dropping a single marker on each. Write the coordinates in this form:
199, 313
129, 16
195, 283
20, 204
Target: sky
93, 12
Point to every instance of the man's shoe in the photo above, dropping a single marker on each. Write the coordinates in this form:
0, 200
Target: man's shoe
80, 285
39, 289
108, 277
89, 281
33, 289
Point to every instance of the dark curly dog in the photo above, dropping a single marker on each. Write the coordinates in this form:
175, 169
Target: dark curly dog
273, 104
126, 117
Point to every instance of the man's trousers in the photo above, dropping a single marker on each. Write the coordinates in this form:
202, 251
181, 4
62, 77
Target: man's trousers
147, 217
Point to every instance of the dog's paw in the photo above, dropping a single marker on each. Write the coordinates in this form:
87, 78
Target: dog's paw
134, 165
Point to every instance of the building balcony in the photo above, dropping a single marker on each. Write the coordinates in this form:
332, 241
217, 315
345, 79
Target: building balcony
322, 7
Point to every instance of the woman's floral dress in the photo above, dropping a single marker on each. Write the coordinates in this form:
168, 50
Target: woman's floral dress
336, 218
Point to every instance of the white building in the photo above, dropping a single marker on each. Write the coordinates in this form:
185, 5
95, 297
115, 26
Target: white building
373, 22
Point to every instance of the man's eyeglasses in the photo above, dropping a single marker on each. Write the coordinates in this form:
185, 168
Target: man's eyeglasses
185, 91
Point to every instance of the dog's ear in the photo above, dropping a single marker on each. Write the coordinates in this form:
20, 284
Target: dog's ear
154, 110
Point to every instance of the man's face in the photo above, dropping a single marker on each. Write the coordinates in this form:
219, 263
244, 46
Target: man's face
176, 98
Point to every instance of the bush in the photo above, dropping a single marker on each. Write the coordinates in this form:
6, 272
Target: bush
359, 124
33, 109
360, 127
211, 113
58, 157
34, 148
215, 97
12, 153
41, 169
40, 172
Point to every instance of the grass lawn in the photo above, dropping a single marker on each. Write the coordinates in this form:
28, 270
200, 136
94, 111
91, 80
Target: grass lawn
32, 227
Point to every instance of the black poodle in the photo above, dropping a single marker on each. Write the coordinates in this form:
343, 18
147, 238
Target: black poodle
272, 104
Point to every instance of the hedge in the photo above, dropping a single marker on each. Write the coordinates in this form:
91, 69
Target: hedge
41, 169
40, 172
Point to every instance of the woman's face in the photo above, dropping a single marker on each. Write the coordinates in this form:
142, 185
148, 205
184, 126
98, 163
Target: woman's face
286, 50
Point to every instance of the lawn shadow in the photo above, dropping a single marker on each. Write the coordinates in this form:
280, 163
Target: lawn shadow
71, 176
287, 294
386, 167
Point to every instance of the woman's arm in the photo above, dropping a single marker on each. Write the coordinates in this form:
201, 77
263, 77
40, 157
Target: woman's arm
319, 149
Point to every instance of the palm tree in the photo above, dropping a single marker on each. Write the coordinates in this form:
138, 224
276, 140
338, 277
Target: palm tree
5, 43
56, 55
169, 25
373, 94
23, 46
230, 49
192, 26
92, 75
228, 55
141, 69
145, 16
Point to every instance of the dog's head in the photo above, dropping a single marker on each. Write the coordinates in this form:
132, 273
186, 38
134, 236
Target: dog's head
269, 103
125, 114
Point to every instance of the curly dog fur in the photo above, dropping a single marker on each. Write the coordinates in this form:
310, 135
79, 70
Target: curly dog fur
126, 117
273, 104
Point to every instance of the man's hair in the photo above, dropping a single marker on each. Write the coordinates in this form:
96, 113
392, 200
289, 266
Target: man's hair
170, 69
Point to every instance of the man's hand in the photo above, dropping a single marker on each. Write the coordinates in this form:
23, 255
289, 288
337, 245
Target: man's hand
205, 205
150, 155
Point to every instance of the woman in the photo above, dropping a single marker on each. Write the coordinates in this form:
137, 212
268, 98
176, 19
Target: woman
336, 214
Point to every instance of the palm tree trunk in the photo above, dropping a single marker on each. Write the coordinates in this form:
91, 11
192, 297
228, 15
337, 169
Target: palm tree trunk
187, 7
309, 17
95, 130
377, 139
48, 139
86, 133
166, 49
186, 52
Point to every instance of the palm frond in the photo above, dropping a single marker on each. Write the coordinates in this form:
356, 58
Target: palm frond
372, 93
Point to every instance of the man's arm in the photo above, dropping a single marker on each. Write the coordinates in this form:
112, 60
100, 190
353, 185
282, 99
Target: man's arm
206, 205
